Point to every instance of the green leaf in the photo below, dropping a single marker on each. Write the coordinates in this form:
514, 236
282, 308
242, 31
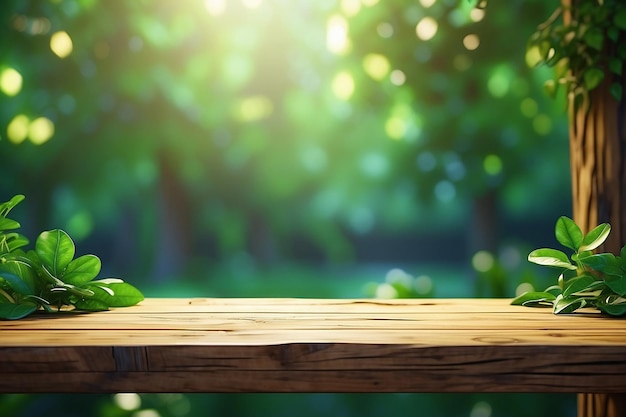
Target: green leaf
8, 224
616, 91
594, 37
550, 88
82, 269
55, 250
91, 304
568, 305
616, 283
613, 33
550, 257
615, 65
602, 262
592, 78
21, 269
568, 233
595, 237
533, 56
613, 304
6, 207
535, 299
578, 284
16, 311
620, 19
15, 241
613, 309
114, 292
16, 283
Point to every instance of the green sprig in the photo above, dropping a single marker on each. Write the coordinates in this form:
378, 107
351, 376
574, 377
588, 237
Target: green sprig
585, 51
49, 277
586, 279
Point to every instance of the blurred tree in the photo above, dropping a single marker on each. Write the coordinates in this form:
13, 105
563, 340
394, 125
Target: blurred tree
263, 124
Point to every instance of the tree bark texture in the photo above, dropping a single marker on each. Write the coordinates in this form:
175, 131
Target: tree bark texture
598, 167
598, 164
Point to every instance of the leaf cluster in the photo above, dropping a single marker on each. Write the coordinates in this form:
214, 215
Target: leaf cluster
584, 49
587, 279
49, 277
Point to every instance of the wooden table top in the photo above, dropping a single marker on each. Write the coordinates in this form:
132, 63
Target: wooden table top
314, 345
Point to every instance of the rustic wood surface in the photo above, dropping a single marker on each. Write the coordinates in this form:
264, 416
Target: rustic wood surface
308, 345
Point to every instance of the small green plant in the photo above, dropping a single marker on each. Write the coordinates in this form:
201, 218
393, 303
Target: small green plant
49, 278
587, 279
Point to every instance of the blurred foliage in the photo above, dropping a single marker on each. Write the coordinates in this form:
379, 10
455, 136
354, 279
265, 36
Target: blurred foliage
203, 138
278, 405
163, 132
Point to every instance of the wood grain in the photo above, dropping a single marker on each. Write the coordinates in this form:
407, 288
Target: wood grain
305, 345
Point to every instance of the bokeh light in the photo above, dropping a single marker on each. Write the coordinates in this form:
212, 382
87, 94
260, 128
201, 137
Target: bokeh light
17, 129
61, 44
376, 66
426, 29
40, 130
337, 40
10, 82
343, 85
492, 164
471, 42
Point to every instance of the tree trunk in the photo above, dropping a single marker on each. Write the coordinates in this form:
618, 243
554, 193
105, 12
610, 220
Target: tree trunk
598, 166
173, 230
598, 163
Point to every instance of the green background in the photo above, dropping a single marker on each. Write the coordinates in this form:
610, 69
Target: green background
286, 148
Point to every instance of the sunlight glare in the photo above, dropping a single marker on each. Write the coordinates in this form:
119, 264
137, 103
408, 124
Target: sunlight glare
471, 42
61, 44
147, 413
127, 401
376, 66
343, 85
40, 130
215, 7
351, 7
426, 29
395, 127
427, 3
477, 15
337, 40
17, 130
397, 77
481, 409
10, 82
254, 108
252, 4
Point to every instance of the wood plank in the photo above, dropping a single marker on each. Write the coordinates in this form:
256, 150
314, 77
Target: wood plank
471, 337
310, 321
303, 345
